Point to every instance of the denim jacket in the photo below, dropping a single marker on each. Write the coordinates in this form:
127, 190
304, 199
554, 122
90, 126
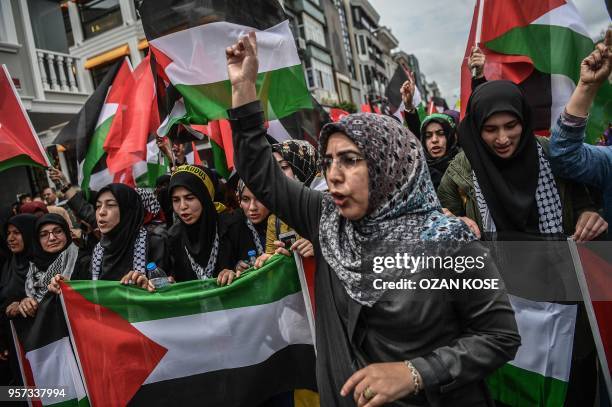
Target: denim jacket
584, 163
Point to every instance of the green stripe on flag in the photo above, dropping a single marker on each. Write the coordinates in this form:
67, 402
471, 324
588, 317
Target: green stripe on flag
276, 280
553, 49
154, 171
17, 161
219, 159
95, 151
72, 403
283, 90
519, 387
558, 50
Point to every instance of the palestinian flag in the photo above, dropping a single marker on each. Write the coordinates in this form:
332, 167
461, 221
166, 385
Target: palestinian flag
45, 355
595, 276
538, 45
194, 342
19, 144
189, 45
86, 133
539, 373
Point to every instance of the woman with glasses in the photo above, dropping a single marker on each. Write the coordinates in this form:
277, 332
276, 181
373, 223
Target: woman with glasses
439, 144
53, 253
373, 346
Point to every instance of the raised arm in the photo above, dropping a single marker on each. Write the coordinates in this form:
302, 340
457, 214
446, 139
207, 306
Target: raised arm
295, 204
570, 156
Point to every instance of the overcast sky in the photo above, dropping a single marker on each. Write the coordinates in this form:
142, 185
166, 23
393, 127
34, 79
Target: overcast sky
436, 31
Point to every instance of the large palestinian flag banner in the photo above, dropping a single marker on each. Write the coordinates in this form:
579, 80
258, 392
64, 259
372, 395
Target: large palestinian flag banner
194, 342
538, 45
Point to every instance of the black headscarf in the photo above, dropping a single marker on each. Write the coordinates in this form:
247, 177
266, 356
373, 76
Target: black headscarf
42, 259
438, 165
508, 185
12, 280
5, 215
199, 237
119, 243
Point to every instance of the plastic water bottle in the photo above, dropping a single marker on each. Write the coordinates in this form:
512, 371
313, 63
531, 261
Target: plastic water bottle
157, 276
252, 257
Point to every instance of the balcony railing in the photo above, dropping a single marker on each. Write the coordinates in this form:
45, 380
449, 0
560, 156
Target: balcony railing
59, 72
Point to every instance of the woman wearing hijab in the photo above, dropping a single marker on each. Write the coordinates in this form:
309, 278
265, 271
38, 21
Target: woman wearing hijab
195, 239
298, 161
53, 254
19, 232
502, 180
439, 144
125, 245
372, 349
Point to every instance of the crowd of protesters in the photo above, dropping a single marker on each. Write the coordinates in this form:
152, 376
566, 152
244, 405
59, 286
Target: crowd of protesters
437, 179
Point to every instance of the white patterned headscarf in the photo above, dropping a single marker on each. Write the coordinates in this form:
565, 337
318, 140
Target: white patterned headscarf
403, 205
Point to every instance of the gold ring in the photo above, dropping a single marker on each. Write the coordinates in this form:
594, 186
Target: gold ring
368, 394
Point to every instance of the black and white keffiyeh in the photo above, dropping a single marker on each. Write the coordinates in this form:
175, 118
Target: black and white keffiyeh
38, 280
547, 199
201, 272
140, 255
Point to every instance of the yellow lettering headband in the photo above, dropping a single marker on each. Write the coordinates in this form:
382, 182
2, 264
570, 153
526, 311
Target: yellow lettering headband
202, 175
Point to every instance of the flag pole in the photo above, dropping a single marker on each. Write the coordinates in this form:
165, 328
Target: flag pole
586, 296
306, 296
25, 113
478, 28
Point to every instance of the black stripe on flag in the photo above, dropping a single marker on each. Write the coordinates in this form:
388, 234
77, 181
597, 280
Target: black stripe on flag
48, 326
289, 369
162, 17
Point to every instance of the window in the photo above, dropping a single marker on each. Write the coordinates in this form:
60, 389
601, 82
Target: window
320, 75
7, 24
362, 46
99, 16
50, 25
313, 30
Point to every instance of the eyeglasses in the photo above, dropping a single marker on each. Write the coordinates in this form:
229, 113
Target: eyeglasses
439, 133
343, 162
57, 232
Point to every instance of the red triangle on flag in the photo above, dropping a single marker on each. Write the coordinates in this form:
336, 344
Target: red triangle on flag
115, 358
19, 144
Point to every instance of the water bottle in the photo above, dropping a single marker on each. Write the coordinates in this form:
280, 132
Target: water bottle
252, 257
157, 276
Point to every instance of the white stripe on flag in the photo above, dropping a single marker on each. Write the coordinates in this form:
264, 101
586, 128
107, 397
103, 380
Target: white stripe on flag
178, 111
565, 15
53, 366
99, 180
278, 131
198, 53
547, 337
561, 88
108, 110
226, 339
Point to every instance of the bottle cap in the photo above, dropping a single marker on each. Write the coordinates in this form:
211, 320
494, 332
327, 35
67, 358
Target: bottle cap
151, 266
251, 253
